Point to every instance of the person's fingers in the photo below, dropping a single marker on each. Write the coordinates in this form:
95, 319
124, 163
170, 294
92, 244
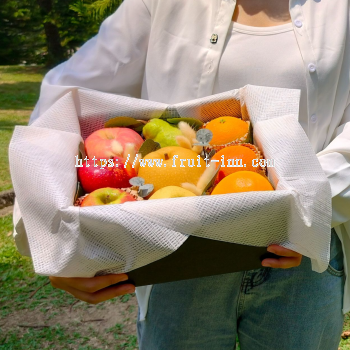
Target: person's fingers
88, 285
281, 251
101, 295
282, 263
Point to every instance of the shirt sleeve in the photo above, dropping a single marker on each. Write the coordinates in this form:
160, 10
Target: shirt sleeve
335, 161
113, 61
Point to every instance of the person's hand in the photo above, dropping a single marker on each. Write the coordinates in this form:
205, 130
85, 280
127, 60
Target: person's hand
288, 259
94, 290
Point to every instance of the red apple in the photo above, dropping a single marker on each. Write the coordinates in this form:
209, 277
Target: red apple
105, 196
93, 178
109, 142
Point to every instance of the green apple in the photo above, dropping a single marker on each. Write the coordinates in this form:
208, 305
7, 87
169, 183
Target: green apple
107, 195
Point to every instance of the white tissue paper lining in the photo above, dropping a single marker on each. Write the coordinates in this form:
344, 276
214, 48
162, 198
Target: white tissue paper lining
70, 241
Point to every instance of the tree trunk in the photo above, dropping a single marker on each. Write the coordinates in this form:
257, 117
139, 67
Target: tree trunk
55, 51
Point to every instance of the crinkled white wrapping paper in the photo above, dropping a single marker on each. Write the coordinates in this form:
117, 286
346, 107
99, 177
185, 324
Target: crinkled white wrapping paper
70, 241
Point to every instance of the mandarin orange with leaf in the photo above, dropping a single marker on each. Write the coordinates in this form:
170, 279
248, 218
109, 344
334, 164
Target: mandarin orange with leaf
227, 129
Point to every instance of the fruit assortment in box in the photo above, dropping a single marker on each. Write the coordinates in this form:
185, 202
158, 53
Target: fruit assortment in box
131, 160
108, 184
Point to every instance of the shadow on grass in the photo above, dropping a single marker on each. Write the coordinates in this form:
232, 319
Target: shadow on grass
9, 124
21, 95
23, 69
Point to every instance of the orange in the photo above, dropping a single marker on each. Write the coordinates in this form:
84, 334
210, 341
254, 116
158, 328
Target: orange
242, 181
244, 156
226, 130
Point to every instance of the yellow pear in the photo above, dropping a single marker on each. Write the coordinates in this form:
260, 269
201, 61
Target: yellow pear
172, 192
171, 166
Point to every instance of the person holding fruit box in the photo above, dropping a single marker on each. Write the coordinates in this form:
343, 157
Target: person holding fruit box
173, 51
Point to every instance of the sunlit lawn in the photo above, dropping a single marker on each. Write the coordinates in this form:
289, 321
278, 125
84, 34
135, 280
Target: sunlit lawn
19, 91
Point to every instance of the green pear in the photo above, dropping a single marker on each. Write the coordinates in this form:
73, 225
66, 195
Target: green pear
162, 132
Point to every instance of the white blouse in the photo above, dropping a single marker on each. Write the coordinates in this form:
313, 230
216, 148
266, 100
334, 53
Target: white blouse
265, 56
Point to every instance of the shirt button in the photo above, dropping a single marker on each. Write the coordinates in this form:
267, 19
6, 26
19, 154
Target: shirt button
312, 68
298, 23
214, 38
313, 118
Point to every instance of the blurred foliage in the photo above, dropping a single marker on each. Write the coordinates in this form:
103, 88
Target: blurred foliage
48, 31
20, 32
98, 10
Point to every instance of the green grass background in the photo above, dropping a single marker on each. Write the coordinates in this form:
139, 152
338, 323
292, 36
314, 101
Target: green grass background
19, 91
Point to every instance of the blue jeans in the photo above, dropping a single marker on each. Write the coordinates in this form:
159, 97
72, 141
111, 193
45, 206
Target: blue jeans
269, 309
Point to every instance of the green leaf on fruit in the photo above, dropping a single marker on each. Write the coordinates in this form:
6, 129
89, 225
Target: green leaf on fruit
145, 190
125, 122
148, 146
212, 181
137, 181
250, 134
82, 153
194, 123
79, 191
170, 113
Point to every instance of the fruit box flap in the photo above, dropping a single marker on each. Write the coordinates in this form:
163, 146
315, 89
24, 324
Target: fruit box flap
71, 241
